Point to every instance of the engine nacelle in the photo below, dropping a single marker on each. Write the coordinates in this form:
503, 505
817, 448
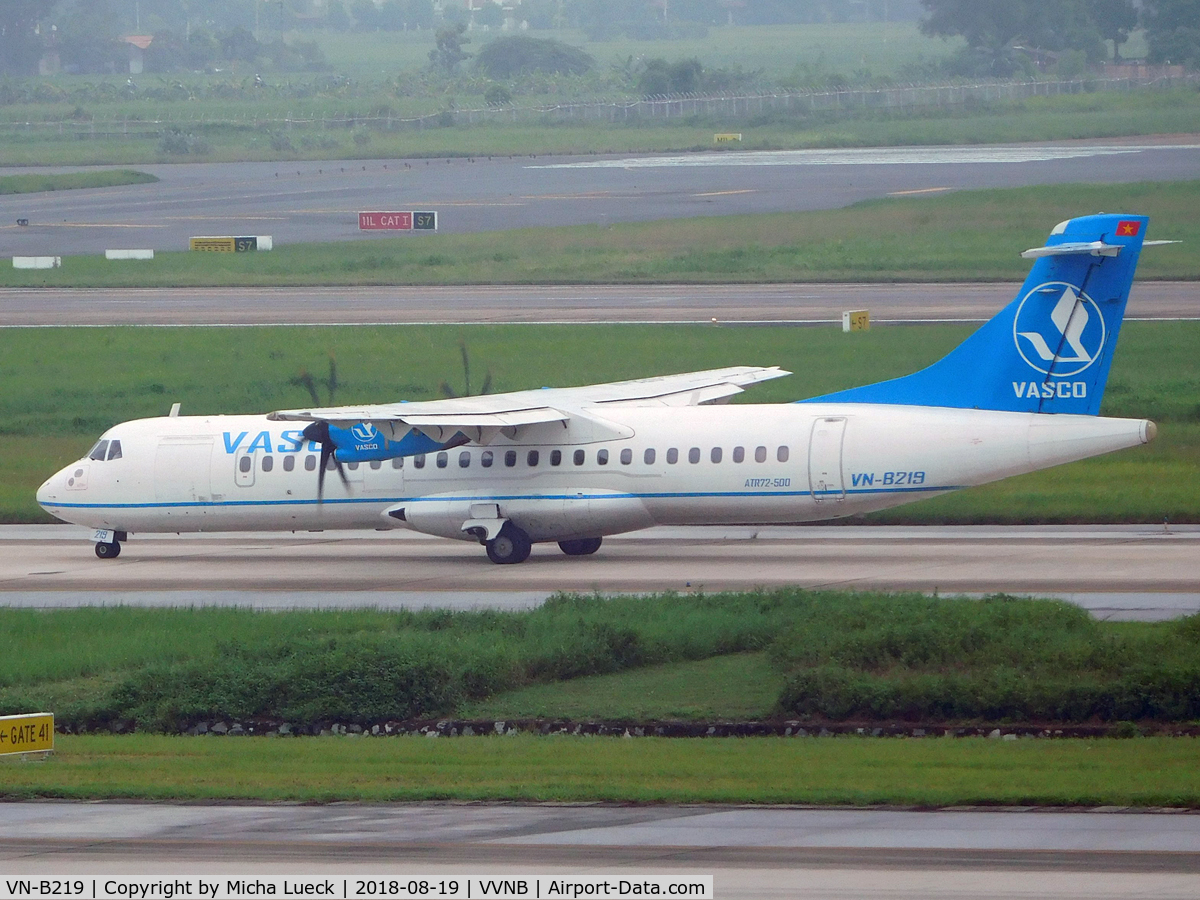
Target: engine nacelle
557, 516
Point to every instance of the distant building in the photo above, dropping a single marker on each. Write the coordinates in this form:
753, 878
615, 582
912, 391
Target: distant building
137, 45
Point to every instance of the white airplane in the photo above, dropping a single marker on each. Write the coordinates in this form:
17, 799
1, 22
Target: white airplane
574, 464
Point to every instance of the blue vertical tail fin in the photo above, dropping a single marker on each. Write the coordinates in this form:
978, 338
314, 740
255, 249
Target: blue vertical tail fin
1049, 351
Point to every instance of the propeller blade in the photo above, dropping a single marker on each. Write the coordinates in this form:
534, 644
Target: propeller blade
332, 382
318, 432
466, 360
305, 381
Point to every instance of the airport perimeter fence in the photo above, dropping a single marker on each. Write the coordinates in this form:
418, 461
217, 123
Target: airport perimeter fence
732, 109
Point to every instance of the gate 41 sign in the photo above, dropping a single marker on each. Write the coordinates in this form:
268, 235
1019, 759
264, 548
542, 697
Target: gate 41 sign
30, 733
397, 221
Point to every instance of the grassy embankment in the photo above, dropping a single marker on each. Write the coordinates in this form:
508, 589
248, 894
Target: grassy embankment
830, 657
54, 405
959, 236
1068, 117
159, 664
66, 181
1144, 772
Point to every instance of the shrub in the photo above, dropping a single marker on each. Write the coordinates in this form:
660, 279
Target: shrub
508, 57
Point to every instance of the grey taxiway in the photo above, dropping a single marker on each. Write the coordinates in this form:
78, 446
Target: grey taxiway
319, 201
750, 853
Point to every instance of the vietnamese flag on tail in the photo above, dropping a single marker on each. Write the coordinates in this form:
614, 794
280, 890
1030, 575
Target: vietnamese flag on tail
1128, 229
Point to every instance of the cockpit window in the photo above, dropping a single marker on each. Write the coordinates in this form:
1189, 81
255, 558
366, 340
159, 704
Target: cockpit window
114, 450
99, 451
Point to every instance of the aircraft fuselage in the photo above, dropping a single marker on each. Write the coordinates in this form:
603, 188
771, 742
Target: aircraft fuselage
608, 470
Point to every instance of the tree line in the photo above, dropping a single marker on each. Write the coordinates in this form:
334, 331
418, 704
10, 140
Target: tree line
1002, 38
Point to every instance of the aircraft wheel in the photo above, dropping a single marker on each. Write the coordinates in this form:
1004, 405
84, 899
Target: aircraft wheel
511, 545
580, 547
108, 551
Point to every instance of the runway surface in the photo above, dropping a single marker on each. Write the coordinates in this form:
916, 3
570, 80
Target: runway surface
491, 304
319, 201
748, 852
1118, 572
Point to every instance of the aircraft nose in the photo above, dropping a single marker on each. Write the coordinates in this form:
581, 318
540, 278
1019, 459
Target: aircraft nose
50, 489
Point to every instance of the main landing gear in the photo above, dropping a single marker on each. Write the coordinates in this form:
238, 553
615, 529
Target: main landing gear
580, 547
511, 545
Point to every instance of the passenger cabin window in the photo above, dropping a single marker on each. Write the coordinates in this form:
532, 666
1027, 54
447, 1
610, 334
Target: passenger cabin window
782, 454
579, 455
648, 456
289, 463
310, 463
739, 454
376, 464
532, 458
626, 456
760, 454
464, 459
485, 459
245, 463
419, 460
99, 451
510, 458
330, 465
555, 457
672, 456
397, 462
694, 455
442, 459
602, 457
268, 463
353, 467
114, 450
715, 455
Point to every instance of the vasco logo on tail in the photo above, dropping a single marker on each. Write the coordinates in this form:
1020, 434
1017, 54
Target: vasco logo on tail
1072, 338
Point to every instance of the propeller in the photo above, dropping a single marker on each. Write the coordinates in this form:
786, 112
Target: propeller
306, 381
448, 391
318, 432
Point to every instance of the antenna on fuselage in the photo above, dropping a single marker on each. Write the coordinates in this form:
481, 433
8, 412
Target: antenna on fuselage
174, 413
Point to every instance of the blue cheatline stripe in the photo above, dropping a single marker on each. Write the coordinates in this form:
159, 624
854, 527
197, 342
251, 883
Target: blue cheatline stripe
665, 495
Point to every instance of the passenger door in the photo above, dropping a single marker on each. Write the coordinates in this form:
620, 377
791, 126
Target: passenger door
825, 460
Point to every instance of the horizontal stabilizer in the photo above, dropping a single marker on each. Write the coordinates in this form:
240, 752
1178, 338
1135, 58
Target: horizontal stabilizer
1090, 248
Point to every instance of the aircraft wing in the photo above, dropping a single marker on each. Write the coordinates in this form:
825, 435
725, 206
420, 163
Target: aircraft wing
477, 415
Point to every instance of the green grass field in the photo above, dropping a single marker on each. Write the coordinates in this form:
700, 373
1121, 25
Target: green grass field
924, 773
885, 50
54, 406
957, 236
30, 184
734, 686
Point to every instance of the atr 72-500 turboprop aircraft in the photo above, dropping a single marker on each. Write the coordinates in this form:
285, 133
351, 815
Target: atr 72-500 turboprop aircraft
574, 464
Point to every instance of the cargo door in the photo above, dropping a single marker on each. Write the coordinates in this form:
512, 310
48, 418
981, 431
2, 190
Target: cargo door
183, 470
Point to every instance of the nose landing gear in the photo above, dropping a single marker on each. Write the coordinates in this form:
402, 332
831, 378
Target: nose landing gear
109, 550
108, 543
